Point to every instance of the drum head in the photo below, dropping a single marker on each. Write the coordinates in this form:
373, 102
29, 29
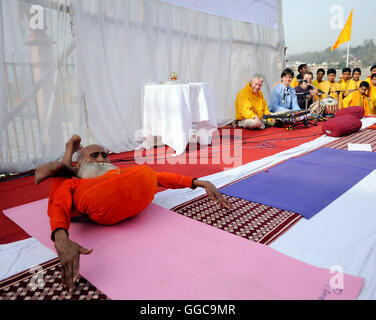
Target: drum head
329, 101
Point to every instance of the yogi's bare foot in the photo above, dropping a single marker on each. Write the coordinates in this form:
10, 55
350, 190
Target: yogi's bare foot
60, 168
72, 146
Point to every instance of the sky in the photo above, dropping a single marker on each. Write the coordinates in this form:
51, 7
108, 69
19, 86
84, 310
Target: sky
310, 25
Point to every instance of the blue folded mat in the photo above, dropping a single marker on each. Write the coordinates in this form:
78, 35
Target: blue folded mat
306, 184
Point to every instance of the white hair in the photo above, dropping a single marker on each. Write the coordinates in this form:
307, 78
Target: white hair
89, 170
257, 76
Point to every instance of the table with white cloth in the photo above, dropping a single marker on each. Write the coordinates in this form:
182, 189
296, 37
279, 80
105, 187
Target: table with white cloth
171, 111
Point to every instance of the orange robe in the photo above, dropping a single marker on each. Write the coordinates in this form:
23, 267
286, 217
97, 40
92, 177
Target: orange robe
117, 195
354, 99
372, 98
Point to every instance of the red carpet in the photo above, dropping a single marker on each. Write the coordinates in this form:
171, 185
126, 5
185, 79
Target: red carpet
227, 150
255, 145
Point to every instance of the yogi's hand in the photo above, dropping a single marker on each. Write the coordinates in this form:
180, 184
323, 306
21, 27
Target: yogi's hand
213, 193
69, 256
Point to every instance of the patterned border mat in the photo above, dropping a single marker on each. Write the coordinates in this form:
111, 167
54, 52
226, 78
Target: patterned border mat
44, 283
250, 220
364, 136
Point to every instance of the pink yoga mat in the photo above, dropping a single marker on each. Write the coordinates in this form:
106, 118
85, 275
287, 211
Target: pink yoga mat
160, 254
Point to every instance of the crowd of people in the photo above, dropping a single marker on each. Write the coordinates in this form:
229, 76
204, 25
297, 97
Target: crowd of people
301, 92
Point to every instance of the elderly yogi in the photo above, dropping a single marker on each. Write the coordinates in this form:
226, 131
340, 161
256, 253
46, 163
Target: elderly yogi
103, 193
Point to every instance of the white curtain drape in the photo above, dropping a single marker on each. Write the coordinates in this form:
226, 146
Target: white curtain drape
123, 44
43, 108
2, 82
86, 75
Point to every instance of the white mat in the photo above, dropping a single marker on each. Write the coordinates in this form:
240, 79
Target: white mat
343, 234
21, 255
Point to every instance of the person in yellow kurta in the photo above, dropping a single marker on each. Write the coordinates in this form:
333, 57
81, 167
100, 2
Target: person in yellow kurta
319, 78
356, 77
302, 69
373, 70
330, 87
346, 82
359, 98
372, 94
250, 105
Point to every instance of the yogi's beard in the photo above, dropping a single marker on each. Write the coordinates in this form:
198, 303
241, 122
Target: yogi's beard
94, 170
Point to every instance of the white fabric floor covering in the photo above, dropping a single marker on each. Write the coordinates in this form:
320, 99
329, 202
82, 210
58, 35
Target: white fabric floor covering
25, 254
21, 255
342, 234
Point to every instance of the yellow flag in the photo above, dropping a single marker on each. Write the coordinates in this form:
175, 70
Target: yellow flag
345, 33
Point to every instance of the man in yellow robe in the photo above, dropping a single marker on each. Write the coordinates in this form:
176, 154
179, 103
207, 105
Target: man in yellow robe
356, 77
330, 87
250, 105
346, 82
319, 79
373, 70
359, 98
372, 94
302, 69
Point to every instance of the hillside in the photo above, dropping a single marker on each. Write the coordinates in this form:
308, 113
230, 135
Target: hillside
360, 56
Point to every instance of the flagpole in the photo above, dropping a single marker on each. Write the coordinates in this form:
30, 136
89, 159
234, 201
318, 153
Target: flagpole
348, 52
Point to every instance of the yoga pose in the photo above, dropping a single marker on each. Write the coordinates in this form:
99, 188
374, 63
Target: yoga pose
103, 193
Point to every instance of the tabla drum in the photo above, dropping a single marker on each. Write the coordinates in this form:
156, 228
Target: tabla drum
331, 105
317, 108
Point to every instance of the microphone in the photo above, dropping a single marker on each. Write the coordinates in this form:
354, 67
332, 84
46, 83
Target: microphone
284, 96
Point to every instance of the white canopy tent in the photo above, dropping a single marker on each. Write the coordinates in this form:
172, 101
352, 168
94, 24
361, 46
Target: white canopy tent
80, 66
